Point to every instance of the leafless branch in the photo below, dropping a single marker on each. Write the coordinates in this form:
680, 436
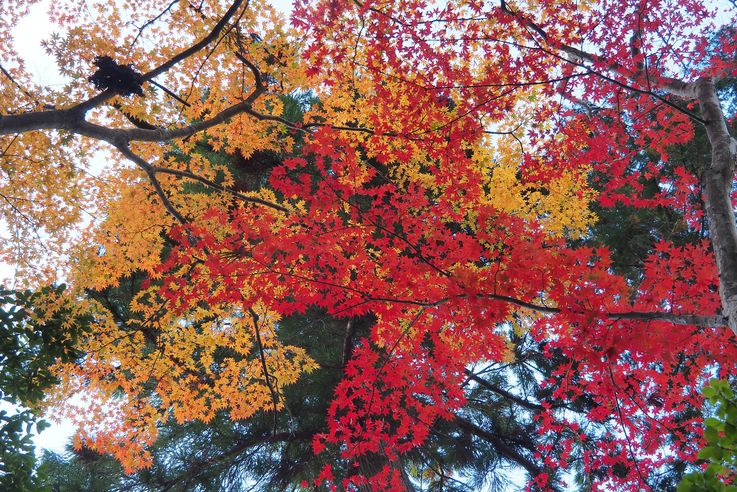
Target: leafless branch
267, 377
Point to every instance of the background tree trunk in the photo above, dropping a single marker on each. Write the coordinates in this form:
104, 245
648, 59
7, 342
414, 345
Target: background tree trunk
717, 183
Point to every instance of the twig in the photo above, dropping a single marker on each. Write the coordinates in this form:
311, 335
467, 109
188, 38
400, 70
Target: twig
151, 173
267, 377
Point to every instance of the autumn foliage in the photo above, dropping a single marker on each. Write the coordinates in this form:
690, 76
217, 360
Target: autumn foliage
445, 180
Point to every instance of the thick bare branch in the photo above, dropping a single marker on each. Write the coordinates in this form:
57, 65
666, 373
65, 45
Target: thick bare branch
504, 393
59, 119
717, 185
74, 122
501, 447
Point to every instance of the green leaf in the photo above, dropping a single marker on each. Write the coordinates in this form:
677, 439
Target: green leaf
711, 453
713, 423
686, 485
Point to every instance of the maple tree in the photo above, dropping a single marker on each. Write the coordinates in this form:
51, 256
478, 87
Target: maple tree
438, 178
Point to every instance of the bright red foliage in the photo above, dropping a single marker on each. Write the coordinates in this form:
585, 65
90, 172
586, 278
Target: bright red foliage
639, 374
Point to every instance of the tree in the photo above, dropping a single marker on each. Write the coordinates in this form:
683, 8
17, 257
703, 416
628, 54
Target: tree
233, 455
33, 336
436, 187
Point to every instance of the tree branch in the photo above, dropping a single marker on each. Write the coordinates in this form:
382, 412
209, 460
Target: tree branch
137, 122
74, 122
350, 332
196, 469
213, 185
262, 356
149, 169
579, 56
95, 101
151, 22
677, 319
72, 119
501, 447
703, 321
19, 86
501, 392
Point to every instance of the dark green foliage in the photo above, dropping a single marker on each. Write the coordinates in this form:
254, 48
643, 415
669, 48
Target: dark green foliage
27, 351
79, 471
17, 459
721, 444
631, 234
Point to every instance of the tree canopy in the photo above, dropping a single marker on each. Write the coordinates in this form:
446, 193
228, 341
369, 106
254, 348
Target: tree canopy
356, 238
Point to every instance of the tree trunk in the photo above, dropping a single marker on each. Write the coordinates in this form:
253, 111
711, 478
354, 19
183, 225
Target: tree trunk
717, 183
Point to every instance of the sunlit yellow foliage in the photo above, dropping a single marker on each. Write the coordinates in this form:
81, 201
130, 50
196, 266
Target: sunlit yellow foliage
130, 380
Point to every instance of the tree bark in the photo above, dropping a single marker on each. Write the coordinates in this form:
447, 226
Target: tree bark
717, 184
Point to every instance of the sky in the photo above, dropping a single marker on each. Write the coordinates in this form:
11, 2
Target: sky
28, 35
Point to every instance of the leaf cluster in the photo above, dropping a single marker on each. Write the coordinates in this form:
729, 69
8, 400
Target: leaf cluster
33, 337
721, 444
